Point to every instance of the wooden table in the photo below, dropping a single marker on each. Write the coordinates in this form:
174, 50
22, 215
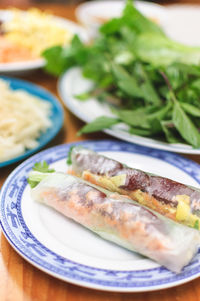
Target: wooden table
19, 280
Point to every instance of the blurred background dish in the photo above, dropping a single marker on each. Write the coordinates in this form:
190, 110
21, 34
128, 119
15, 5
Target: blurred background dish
25, 35
94, 13
53, 125
182, 23
172, 18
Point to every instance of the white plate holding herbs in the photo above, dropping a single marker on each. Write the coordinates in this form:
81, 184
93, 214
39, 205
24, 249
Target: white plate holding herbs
134, 83
73, 83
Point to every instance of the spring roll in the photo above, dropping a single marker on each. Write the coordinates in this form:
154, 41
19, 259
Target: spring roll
117, 219
170, 198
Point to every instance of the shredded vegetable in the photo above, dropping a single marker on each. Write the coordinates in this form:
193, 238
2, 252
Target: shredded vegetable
23, 118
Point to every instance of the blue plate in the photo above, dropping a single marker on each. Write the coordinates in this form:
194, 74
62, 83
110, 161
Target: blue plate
56, 117
64, 250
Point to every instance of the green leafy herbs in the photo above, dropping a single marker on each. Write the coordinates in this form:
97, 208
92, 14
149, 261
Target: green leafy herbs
98, 124
69, 159
185, 126
190, 109
126, 82
137, 22
135, 118
58, 59
41, 168
196, 225
32, 183
159, 50
150, 82
83, 96
170, 132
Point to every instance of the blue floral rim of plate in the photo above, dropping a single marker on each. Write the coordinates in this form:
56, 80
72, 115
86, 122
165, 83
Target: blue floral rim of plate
20, 237
56, 117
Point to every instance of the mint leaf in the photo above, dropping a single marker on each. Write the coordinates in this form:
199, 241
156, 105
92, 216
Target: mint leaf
37, 174
42, 167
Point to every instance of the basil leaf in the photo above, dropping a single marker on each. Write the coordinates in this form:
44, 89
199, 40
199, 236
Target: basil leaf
190, 109
83, 96
185, 126
111, 26
55, 60
137, 21
140, 132
148, 91
136, 118
169, 131
58, 59
126, 82
160, 113
130, 84
98, 124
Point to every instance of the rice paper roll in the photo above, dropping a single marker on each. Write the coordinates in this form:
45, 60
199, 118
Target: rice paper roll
118, 219
170, 198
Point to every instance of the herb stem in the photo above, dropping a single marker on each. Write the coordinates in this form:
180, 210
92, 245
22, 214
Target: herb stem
171, 92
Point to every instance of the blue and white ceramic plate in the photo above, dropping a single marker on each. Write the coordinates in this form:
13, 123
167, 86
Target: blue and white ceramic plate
66, 250
56, 117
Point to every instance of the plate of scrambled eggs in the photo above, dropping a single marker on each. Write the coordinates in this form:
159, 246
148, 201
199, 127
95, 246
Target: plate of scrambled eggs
24, 35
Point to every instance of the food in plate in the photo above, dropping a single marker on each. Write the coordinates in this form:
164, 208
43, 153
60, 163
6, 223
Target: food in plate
115, 218
23, 118
30, 32
150, 82
170, 198
10, 52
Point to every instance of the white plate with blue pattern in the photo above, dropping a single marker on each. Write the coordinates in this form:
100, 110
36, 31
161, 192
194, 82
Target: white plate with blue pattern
66, 250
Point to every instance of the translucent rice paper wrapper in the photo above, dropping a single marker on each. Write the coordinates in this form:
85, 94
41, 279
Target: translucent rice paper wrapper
172, 199
119, 220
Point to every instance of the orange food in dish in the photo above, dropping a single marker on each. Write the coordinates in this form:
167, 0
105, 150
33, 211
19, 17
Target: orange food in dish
10, 52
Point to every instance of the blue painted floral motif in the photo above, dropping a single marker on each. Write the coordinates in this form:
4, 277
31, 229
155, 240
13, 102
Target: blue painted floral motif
20, 237
12, 216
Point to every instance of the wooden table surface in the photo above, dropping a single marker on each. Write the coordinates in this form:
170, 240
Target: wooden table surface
19, 280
